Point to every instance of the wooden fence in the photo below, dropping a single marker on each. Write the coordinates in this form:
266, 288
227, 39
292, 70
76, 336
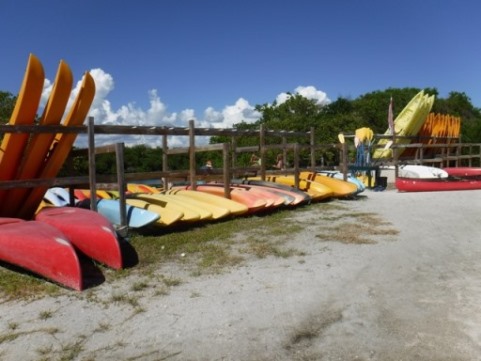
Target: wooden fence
441, 154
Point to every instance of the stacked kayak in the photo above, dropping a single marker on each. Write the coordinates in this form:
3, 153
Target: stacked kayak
408, 123
50, 244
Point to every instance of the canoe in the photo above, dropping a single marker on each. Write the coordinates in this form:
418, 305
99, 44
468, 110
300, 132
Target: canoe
41, 249
228, 206
89, 232
110, 208
463, 172
301, 196
61, 146
436, 184
340, 188
421, 171
24, 113
39, 144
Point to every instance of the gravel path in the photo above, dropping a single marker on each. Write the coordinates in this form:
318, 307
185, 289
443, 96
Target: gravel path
413, 294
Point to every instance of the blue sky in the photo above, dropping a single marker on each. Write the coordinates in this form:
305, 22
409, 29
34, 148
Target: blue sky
163, 62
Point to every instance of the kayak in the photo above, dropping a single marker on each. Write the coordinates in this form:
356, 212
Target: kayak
109, 208
89, 232
301, 196
42, 249
340, 188
251, 201
421, 171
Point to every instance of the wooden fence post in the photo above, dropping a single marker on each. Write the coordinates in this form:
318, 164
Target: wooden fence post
92, 169
262, 143
165, 167
226, 170
313, 149
192, 164
344, 151
119, 158
296, 165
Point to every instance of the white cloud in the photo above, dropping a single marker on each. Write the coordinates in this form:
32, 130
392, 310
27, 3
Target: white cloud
157, 113
309, 92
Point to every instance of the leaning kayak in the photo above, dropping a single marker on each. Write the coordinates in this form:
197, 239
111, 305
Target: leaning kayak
41, 249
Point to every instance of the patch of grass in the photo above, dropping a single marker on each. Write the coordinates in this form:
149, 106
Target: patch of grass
171, 281
358, 232
16, 283
139, 286
45, 315
70, 351
7, 337
102, 327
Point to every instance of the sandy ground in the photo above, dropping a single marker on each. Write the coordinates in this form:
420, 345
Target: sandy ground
411, 296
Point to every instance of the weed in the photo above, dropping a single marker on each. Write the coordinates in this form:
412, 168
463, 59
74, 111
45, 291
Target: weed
12, 325
45, 315
139, 286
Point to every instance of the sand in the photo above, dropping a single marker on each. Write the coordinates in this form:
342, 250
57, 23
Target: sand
414, 295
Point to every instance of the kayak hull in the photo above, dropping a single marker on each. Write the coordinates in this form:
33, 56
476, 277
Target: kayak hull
89, 232
41, 249
436, 185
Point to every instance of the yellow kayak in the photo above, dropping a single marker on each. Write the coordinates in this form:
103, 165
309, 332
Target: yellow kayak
339, 187
317, 191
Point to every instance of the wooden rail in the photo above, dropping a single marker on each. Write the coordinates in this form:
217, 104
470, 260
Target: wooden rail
449, 153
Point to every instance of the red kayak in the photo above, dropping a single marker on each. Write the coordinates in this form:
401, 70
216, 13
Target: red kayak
42, 249
89, 232
464, 172
436, 184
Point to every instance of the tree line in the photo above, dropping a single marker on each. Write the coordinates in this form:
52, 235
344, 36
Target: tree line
296, 114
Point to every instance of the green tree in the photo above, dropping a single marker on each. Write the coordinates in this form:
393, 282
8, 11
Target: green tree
7, 103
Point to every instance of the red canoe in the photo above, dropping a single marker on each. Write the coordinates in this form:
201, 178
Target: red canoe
436, 185
42, 249
89, 232
464, 172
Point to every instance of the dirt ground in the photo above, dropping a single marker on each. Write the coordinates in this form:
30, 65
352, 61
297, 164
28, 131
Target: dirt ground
414, 294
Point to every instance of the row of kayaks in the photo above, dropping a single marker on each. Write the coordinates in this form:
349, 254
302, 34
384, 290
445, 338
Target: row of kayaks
60, 236
183, 205
418, 178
